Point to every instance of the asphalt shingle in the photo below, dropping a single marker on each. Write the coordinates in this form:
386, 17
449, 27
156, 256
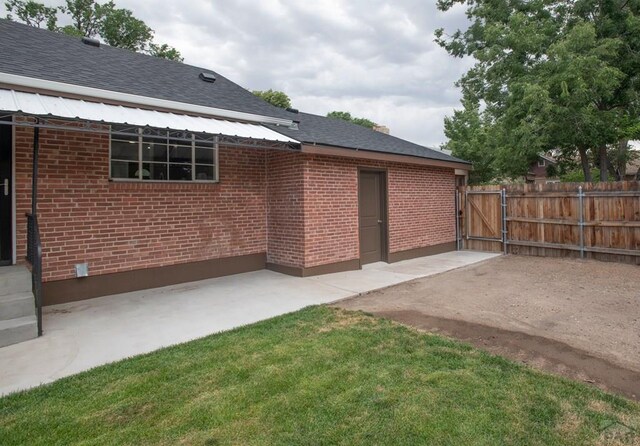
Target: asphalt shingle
42, 54
335, 132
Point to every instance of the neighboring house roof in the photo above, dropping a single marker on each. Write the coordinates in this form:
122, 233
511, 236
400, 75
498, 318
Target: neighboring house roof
548, 158
633, 168
42, 54
315, 129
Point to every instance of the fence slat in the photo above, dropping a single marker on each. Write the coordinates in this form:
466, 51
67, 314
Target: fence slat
555, 219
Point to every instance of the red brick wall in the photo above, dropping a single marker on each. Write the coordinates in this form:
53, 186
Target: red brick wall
285, 236
420, 202
125, 226
300, 209
421, 206
331, 209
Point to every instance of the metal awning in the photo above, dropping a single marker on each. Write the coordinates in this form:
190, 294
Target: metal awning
40, 105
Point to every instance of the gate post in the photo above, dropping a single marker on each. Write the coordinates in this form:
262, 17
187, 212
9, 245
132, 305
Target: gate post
503, 199
581, 220
457, 216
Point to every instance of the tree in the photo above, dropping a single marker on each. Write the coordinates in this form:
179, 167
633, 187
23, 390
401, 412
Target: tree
121, 29
87, 15
33, 13
346, 116
273, 97
468, 138
117, 27
551, 74
164, 51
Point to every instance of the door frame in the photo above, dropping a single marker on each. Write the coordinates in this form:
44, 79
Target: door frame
384, 206
13, 242
14, 204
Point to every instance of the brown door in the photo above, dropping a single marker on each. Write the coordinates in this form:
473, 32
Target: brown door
371, 209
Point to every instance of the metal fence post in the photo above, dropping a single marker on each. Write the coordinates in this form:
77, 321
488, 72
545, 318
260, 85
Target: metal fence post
503, 204
581, 220
457, 201
466, 217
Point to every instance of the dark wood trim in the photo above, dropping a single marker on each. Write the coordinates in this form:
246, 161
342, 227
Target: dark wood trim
347, 265
380, 156
421, 252
70, 290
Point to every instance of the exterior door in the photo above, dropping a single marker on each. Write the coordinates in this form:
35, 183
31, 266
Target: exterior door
372, 216
6, 196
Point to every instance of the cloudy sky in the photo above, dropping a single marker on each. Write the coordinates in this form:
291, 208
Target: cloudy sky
374, 58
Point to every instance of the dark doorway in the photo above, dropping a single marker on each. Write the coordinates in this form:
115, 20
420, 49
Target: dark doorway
372, 216
6, 194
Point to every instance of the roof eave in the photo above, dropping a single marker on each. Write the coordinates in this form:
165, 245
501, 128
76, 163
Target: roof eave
381, 156
14, 80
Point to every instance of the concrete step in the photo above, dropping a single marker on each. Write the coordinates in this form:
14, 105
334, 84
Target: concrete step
14, 280
17, 305
18, 330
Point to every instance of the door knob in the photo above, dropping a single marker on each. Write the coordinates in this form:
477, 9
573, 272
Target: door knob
6, 186
379, 221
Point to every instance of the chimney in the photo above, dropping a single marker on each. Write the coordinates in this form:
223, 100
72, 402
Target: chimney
381, 128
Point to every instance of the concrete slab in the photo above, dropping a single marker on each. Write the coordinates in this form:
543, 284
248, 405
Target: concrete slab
381, 275
82, 335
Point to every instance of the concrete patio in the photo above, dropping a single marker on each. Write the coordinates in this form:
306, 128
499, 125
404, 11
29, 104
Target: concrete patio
82, 335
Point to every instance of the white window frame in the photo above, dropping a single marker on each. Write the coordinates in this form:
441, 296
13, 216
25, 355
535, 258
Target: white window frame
214, 146
541, 161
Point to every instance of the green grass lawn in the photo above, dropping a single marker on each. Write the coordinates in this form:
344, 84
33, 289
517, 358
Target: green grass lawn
318, 376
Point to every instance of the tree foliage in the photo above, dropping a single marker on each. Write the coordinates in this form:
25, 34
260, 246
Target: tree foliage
118, 27
33, 13
87, 15
274, 97
121, 29
164, 51
346, 116
550, 74
470, 140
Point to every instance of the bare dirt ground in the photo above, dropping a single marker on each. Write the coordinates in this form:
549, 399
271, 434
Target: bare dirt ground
580, 319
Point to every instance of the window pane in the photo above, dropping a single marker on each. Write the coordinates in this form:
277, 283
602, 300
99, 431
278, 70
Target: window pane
123, 169
180, 154
154, 152
204, 156
205, 173
179, 172
123, 137
154, 171
124, 150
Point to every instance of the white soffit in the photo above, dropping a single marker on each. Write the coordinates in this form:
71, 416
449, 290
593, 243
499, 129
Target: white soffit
53, 106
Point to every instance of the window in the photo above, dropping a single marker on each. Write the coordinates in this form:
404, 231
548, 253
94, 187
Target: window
541, 163
163, 156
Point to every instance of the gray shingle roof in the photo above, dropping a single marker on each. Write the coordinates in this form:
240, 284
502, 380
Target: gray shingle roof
336, 132
42, 54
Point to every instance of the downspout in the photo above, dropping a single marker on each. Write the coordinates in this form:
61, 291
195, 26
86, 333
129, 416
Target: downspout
36, 261
34, 175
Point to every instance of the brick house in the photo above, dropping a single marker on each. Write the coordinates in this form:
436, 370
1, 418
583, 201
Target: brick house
151, 172
539, 170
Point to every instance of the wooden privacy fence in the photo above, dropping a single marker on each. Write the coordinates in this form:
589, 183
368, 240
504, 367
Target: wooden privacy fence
586, 220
